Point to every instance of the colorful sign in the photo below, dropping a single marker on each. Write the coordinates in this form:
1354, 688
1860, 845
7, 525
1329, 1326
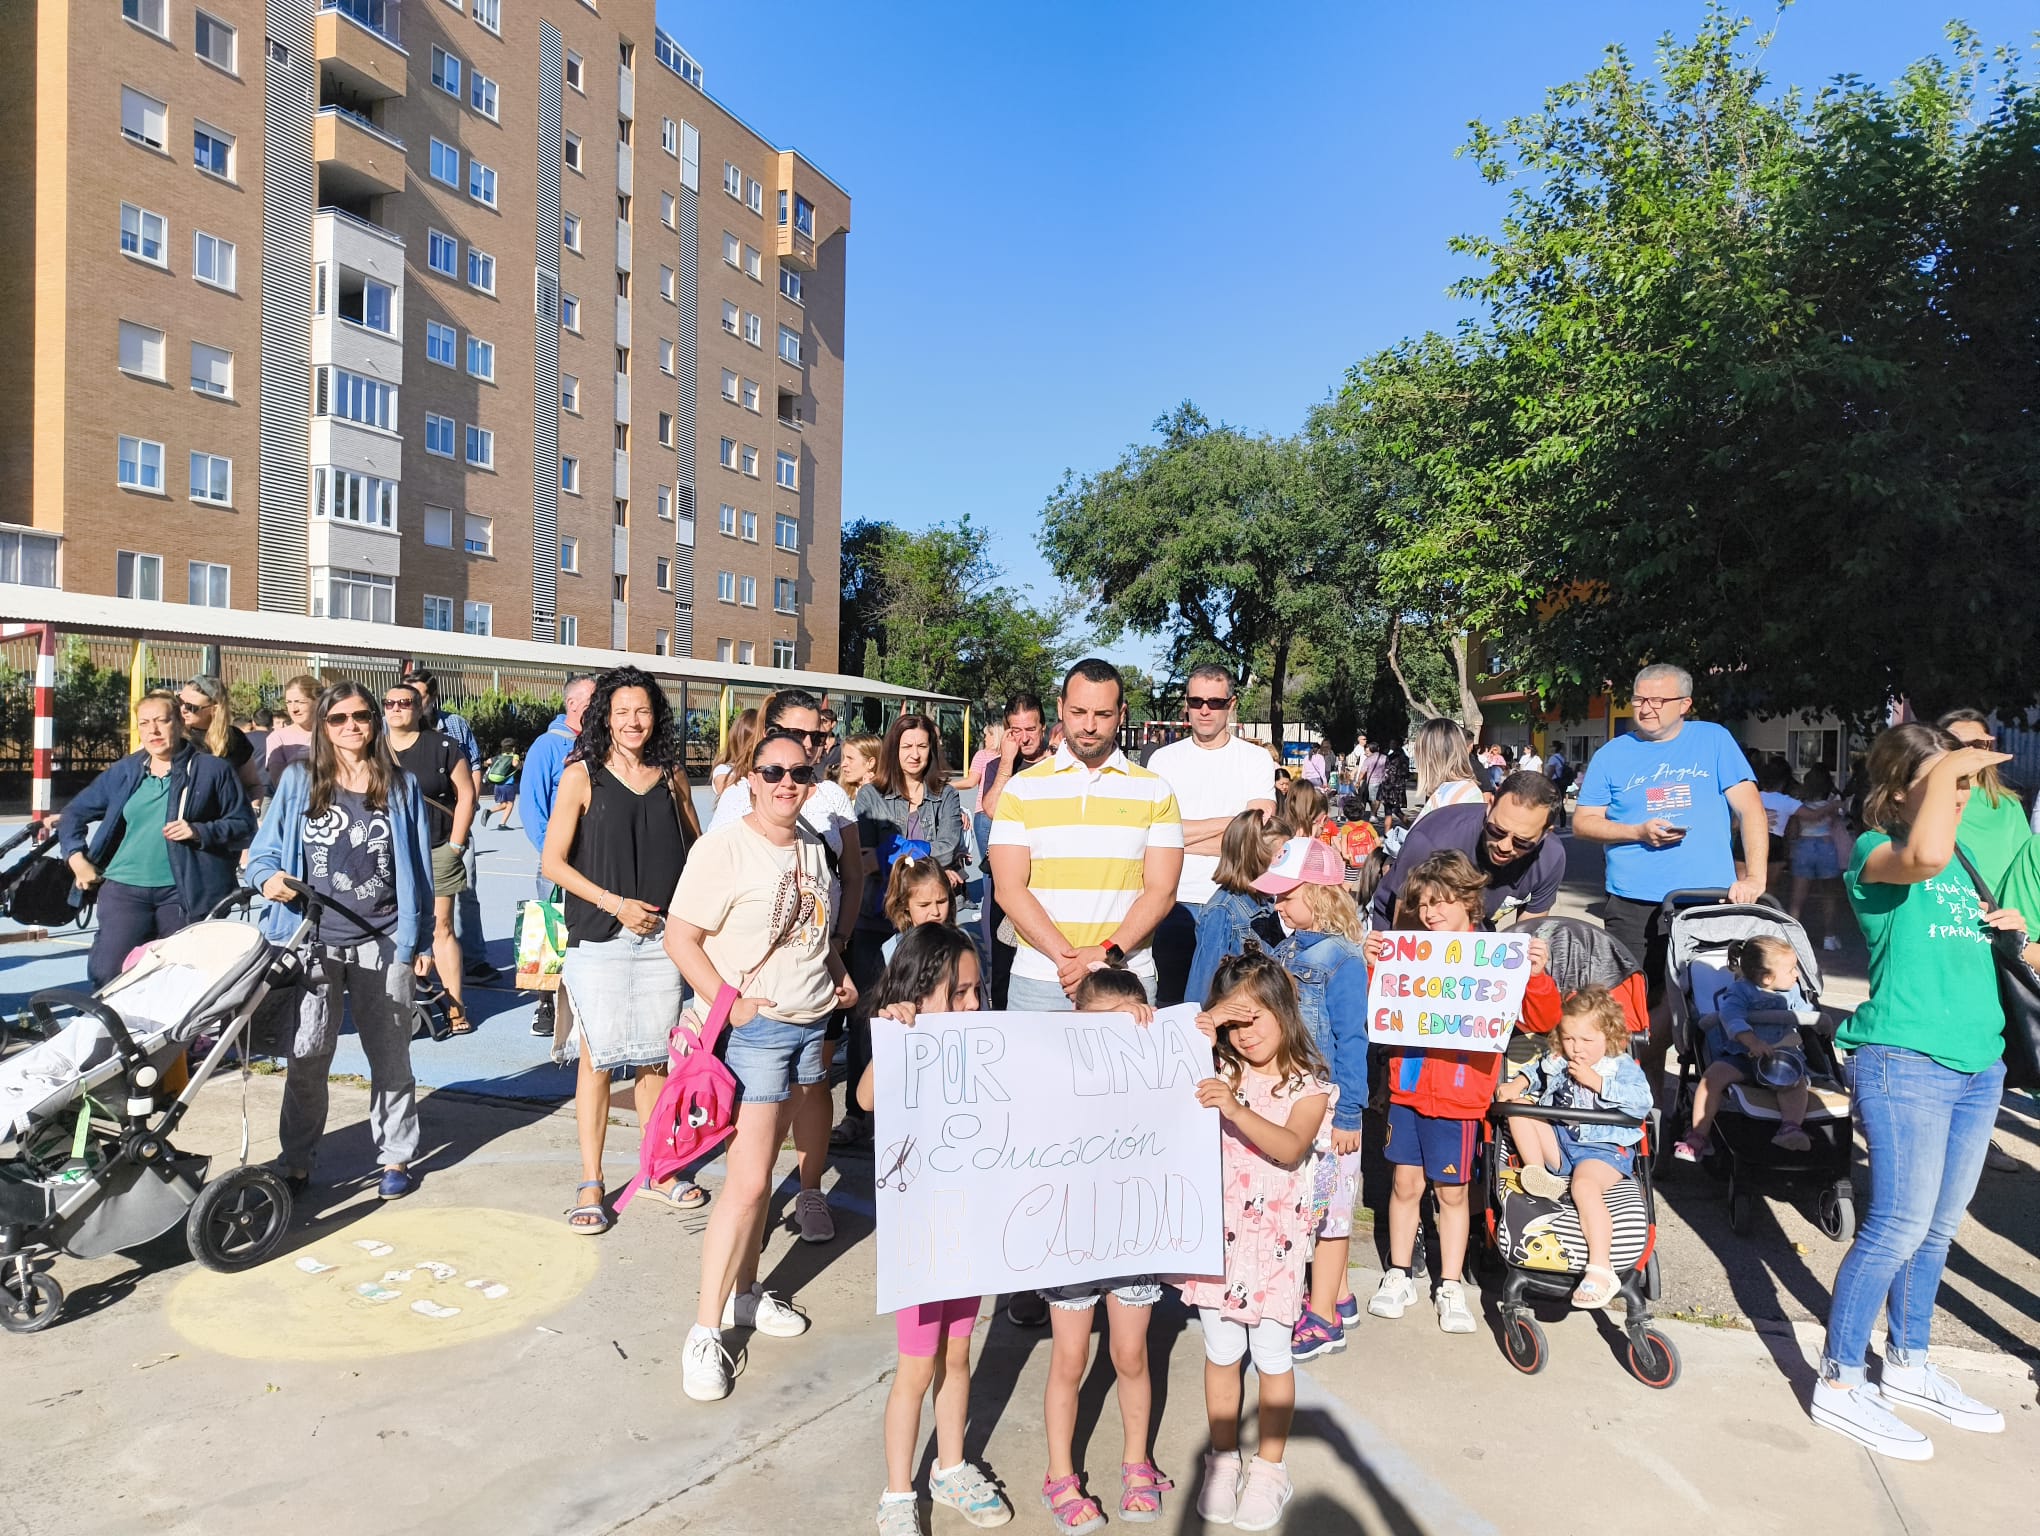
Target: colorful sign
1448, 991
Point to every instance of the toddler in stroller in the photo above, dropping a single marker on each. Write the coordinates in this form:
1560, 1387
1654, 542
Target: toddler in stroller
1756, 1040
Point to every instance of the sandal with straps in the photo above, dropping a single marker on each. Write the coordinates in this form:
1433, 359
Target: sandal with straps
1073, 1513
457, 1020
1140, 1502
603, 1220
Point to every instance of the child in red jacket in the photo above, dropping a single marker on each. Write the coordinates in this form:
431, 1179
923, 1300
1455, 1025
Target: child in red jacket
1437, 1099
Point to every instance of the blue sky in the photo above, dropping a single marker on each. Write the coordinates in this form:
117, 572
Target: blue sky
1068, 217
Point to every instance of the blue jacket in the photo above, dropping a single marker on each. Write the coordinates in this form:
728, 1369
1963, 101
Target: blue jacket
217, 809
1331, 985
1747, 1008
1223, 924
1624, 1089
280, 850
543, 765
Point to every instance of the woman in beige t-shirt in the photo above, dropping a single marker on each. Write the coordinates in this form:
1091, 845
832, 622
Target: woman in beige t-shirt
751, 913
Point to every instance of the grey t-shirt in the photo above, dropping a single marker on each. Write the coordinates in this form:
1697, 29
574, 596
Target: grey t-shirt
351, 856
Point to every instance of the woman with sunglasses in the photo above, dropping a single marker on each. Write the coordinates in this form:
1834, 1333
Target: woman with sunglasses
622, 831
208, 721
350, 823
1994, 825
750, 930
172, 822
440, 766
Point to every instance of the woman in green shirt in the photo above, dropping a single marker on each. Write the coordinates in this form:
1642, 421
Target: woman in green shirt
1994, 826
1926, 1072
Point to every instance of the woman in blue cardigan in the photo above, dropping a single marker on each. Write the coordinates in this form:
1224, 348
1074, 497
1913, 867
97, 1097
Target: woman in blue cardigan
171, 824
350, 823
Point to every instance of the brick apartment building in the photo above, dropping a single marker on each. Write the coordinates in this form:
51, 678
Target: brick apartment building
475, 315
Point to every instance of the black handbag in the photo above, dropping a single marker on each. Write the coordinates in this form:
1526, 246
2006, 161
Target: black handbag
46, 895
2018, 991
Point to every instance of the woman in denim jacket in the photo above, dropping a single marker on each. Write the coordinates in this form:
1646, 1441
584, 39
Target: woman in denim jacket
1227, 916
349, 823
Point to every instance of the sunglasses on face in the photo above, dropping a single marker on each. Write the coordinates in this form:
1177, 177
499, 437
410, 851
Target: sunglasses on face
355, 716
399, 703
772, 773
1500, 838
186, 707
1196, 703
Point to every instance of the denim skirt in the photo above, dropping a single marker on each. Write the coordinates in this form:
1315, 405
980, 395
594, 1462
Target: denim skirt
626, 997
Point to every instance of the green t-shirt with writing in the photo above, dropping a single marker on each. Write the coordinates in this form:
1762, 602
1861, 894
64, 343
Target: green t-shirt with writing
2020, 887
1992, 835
1933, 984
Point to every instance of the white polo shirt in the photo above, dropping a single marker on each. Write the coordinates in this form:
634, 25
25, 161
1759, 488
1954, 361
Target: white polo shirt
1207, 782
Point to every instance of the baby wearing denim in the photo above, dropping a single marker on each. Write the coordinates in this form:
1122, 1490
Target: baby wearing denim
1760, 1012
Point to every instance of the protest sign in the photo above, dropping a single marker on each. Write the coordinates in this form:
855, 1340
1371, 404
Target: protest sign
1018, 1151
1448, 991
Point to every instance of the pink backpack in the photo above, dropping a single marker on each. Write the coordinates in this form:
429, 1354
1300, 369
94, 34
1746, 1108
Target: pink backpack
697, 1110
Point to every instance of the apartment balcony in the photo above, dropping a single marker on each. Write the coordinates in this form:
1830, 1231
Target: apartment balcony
358, 47
356, 159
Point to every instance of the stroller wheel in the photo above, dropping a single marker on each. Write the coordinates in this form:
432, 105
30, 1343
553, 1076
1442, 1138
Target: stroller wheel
29, 1300
238, 1219
1523, 1342
1652, 1359
1838, 1211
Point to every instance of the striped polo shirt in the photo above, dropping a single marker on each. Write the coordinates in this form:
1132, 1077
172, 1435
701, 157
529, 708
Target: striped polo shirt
1087, 833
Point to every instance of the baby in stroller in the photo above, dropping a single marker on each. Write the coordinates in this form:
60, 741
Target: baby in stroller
1589, 1069
1756, 1041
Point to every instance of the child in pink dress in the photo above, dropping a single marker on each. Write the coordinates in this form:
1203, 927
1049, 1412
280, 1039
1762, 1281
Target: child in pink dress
1275, 1097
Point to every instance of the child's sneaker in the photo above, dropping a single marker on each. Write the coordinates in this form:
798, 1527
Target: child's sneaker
1393, 1296
1454, 1316
1792, 1138
1540, 1181
1922, 1387
1690, 1148
1314, 1336
1859, 1412
1219, 1499
1263, 1493
899, 1517
970, 1493
1349, 1310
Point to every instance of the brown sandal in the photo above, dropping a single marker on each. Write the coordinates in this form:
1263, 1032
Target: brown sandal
457, 1020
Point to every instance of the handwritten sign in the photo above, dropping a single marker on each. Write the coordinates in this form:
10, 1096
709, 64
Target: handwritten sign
1448, 991
1018, 1151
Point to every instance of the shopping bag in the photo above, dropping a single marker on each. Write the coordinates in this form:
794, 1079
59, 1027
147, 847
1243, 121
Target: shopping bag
541, 945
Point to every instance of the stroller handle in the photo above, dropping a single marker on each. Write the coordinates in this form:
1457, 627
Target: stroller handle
1676, 900
44, 1001
227, 905
1501, 1111
313, 901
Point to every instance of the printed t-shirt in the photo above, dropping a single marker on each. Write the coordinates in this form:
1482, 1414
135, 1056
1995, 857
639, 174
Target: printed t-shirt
350, 855
143, 857
1992, 835
1207, 782
736, 885
1933, 984
1684, 781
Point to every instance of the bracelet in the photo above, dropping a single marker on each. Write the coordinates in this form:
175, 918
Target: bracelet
618, 908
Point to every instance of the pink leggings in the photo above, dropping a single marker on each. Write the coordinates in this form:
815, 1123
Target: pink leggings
921, 1329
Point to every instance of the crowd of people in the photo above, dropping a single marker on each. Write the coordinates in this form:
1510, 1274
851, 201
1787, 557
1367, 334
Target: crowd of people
825, 888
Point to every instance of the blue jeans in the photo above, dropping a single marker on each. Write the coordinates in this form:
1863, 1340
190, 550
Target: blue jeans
1926, 1127
1026, 995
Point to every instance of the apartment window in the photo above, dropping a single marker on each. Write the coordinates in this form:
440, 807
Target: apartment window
728, 451
482, 94
206, 584
570, 393
729, 317
666, 284
669, 136
28, 558
336, 392
144, 234
666, 503
570, 313
665, 429
732, 249
783, 595
663, 578
213, 41
481, 358
439, 614
442, 253
785, 532
146, 14
361, 596
446, 71
732, 180
729, 385
752, 266
722, 650
659, 642
750, 461
623, 514
726, 520
440, 344
750, 527
138, 576
478, 534
804, 216
476, 619
212, 151
789, 345
572, 152
481, 271
789, 285
445, 166
212, 260
570, 555
569, 629
667, 209
782, 653
490, 14
141, 350
570, 477
751, 396
746, 653
754, 197
754, 330
481, 184
619, 588
665, 355
747, 592
141, 464
365, 302
787, 471
623, 360
726, 586
212, 479
144, 119
364, 499
439, 435
574, 70
570, 232
439, 531
481, 447
622, 437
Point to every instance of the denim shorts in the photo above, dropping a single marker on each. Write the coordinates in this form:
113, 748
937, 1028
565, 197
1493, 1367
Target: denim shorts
1572, 1152
1814, 858
768, 1056
1131, 1291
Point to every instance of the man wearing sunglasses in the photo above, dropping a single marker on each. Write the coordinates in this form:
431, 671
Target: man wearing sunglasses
1215, 776
1510, 842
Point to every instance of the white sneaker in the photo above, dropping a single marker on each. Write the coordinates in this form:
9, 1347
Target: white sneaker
1859, 1413
1454, 1316
705, 1368
1922, 1387
1219, 1499
762, 1312
1393, 1296
811, 1210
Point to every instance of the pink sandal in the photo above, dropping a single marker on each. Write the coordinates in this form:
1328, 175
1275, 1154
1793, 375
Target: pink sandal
1073, 1512
1141, 1501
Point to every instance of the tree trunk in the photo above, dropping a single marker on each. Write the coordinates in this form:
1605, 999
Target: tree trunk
1469, 702
1421, 709
1278, 671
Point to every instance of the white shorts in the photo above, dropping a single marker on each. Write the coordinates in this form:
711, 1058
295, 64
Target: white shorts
1226, 1342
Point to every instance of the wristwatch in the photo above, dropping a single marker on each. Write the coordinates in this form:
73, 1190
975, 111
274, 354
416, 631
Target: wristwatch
1114, 955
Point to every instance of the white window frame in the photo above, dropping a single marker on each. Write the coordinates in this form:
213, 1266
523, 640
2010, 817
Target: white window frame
437, 241
481, 271
784, 655
232, 66
665, 429
139, 130
790, 347
483, 94
480, 440
132, 565
446, 71
748, 527
200, 575
213, 463
575, 72
570, 556
334, 496
369, 589
490, 14
218, 136
137, 367
733, 180
726, 453
484, 353
747, 653
203, 384
729, 386
730, 316
665, 356
666, 284
659, 642
486, 194
726, 586
662, 574
570, 480
722, 650
747, 591
785, 532
439, 158
446, 430
754, 196
750, 461
785, 595
568, 628
477, 618
726, 520
570, 153
162, 11
470, 522
754, 266
752, 397
570, 232
732, 251
669, 137
145, 454
439, 527
224, 253
438, 613
668, 210
141, 236
570, 313
435, 332
754, 330
570, 394
790, 287
665, 503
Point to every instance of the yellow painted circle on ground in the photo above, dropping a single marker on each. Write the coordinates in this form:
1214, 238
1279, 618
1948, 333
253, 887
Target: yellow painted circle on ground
333, 1299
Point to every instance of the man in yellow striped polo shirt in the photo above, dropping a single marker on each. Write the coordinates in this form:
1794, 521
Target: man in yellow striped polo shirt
1085, 851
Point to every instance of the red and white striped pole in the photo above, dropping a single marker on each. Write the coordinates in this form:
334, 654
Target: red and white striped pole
40, 799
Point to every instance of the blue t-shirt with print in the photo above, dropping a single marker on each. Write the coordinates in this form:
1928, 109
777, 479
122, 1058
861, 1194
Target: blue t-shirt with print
1684, 781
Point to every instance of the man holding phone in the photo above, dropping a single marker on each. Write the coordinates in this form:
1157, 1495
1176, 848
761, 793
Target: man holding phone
1661, 798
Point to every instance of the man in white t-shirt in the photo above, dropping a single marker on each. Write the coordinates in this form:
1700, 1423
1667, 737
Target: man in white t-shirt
1215, 776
